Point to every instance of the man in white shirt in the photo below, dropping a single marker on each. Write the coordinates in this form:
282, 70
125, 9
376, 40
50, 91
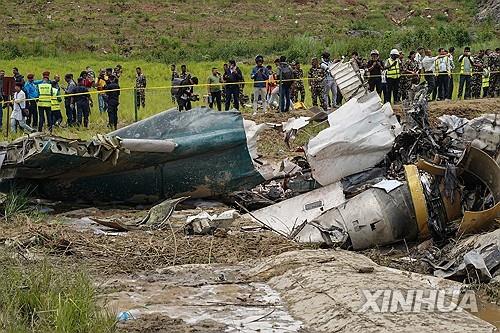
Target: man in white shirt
17, 116
443, 70
428, 66
419, 56
452, 65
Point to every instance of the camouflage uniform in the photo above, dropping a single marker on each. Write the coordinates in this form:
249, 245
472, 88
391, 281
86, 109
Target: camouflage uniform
477, 78
407, 80
316, 76
494, 66
298, 86
140, 90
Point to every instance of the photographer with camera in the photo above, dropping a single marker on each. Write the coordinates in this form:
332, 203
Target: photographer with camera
214, 89
185, 93
260, 75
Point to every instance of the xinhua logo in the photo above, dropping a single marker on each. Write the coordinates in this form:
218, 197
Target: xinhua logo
417, 300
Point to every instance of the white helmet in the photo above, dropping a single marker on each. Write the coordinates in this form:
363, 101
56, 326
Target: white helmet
374, 52
394, 52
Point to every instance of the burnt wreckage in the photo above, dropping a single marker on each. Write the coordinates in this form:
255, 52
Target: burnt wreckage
368, 179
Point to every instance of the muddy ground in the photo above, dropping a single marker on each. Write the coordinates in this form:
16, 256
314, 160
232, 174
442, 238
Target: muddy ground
126, 265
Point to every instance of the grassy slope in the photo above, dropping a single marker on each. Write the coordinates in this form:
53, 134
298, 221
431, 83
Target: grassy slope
217, 29
69, 35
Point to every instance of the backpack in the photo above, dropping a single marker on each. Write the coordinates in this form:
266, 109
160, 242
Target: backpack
286, 72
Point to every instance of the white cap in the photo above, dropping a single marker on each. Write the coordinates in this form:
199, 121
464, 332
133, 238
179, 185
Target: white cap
394, 51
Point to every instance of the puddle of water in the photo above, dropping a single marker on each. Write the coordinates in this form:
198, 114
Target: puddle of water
489, 312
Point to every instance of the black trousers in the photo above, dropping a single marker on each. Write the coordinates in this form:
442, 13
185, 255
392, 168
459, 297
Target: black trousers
442, 85
32, 119
234, 95
183, 104
392, 90
375, 84
113, 116
217, 98
450, 88
431, 82
44, 112
464, 80
82, 113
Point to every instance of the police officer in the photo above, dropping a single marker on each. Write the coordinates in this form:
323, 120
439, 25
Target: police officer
113, 97
55, 105
392, 65
45, 102
82, 103
316, 76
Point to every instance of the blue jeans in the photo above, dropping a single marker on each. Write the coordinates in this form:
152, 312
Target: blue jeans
103, 107
285, 98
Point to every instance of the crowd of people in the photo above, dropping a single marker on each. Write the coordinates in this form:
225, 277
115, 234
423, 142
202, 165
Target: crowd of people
38, 103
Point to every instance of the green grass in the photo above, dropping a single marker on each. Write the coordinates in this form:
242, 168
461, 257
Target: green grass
41, 298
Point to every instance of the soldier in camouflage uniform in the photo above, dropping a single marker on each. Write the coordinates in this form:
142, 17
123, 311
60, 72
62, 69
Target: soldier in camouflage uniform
410, 76
298, 86
494, 65
477, 76
316, 76
140, 88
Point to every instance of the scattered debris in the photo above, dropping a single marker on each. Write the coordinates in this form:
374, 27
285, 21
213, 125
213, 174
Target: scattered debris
206, 224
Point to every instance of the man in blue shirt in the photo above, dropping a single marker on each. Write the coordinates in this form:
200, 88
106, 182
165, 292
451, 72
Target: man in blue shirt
31, 89
260, 75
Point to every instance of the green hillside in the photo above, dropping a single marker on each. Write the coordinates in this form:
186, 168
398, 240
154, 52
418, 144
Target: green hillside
168, 31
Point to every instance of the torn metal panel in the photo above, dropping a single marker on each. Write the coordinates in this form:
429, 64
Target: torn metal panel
481, 165
211, 157
374, 217
348, 79
361, 133
291, 218
484, 132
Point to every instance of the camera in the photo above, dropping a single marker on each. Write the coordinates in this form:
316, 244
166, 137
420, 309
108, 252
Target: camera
194, 98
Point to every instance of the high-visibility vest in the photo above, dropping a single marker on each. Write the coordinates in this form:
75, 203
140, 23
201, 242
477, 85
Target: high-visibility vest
45, 90
462, 70
438, 61
393, 70
486, 80
55, 101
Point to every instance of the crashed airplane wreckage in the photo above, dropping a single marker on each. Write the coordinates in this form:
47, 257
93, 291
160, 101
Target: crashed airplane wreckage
200, 153
368, 179
384, 182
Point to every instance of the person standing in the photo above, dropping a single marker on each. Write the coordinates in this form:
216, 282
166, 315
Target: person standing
443, 70
374, 69
55, 106
285, 76
329, 84
316, 76
17, 76
82, 103
18, 110
419, 56
270, 84
44, 102
429, 67
393, 67
451, 51
3, 95
140, 88
466, 61
494, 66
185, 93
112, 90
260, 75
31, 89
102, 80
477, 75
173, 75
410, 71
68, 105
214, 89
184, 73
232, 77
298, 75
